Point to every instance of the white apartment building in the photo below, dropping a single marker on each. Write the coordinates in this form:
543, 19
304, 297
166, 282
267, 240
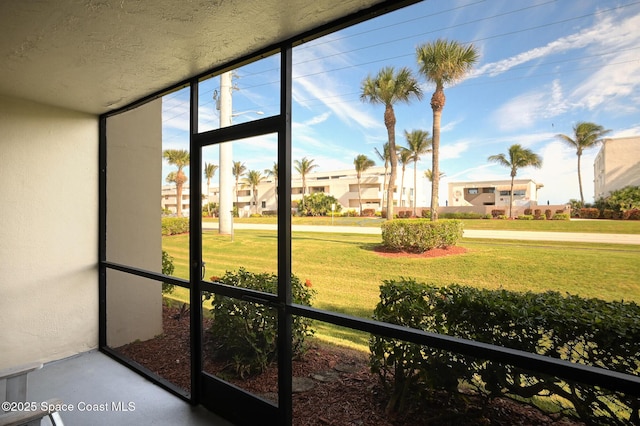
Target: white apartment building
494, 193
342, 184
617, 165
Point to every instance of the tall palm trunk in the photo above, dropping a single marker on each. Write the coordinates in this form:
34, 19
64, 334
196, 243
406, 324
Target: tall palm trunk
415, 188
437, 104
359, 194
390, 123
178, 199
580, 182
513, 176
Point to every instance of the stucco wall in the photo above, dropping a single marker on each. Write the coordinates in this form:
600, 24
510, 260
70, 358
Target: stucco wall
48, 232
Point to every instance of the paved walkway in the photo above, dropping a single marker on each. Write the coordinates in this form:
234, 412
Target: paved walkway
469, 233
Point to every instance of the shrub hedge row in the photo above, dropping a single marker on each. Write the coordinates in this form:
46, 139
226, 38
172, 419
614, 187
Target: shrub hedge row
420, 235
175, 225
586, 331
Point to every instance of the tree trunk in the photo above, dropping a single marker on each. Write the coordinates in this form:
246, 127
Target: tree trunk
580, 183
415, 190
511, 197
359, 196
390, 123
437, 104
178, 199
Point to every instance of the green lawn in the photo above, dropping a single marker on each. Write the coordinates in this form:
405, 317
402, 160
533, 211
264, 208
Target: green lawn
346, 272
596, 226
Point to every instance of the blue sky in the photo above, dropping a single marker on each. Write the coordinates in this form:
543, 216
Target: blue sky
543, 66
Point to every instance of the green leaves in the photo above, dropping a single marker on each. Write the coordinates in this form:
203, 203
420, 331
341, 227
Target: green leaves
569, 327
420, 235
246, 332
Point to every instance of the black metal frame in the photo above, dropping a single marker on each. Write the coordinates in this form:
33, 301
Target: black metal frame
228, 397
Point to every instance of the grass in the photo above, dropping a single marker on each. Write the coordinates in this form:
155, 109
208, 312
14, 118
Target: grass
346, 272
590, 226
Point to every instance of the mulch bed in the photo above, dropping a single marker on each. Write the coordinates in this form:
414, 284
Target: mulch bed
342, 389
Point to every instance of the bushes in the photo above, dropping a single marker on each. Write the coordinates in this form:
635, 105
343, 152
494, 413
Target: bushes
561, 216
167, 269
420, 235
318, 204
586, 331
175, 225
460, 215
244, 332
589, 213
368, 212
496, 213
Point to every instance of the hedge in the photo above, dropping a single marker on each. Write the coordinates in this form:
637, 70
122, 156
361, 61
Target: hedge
586, 331
420, 235
175, 225
245, 333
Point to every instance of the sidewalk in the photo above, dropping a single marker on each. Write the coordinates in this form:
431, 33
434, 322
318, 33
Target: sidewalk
469, 233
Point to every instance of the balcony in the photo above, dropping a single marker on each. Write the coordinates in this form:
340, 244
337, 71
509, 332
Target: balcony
101, 391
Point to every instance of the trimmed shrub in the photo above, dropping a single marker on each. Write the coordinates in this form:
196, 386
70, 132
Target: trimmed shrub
498, 212
633, 214
586, 331
561, 216
426, 213
368, 212
589, 213
269, 213
460, 215
420, 235
525, 217
548, 214
175, 225
404, 214
502, 216
528, 212
244, 332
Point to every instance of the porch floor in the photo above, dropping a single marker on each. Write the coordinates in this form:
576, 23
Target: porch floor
93, 378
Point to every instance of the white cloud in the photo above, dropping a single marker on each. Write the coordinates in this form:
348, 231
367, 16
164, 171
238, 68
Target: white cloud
313, 82
527, 109
455, 150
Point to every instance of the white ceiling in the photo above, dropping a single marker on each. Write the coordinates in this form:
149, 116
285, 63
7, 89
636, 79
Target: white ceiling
98, 55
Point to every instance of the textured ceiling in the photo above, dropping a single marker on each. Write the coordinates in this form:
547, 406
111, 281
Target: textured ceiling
98, 55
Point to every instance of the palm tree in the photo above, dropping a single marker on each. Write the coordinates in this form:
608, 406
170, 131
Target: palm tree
361, 163
254, 177
273, 171
429, 174
585, 135
419, 144
304, 167
180, 159
238, 170
405, 157
517, 158
442, 62
383, 156
389, 87
209, 171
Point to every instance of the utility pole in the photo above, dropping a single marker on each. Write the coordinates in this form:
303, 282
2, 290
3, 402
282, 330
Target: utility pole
225, 206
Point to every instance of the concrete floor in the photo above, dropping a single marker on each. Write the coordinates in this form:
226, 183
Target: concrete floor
94, 380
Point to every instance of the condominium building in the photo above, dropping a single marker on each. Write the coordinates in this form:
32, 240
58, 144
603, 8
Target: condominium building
617, 165
342, 184
494, 193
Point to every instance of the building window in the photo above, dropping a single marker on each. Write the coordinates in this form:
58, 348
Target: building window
472, 191
263, 205
488, 190
503, 193
520, 192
